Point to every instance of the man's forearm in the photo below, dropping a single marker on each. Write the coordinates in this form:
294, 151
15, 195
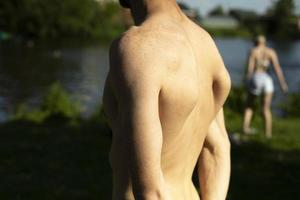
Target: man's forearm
214, 176
214, 164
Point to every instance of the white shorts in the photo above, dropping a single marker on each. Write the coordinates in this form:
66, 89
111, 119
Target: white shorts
261, 82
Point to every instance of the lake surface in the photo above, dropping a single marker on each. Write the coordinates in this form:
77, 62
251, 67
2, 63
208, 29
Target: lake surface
26, 73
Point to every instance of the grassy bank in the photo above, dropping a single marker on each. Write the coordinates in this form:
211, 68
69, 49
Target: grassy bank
54, 161
61, 161
267, 169
60, 156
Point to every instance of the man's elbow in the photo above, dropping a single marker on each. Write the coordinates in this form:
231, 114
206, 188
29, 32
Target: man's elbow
151, 195
225, 145
220, 147
226, 141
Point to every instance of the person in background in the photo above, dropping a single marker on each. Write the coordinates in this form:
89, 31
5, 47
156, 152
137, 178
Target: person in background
260, 82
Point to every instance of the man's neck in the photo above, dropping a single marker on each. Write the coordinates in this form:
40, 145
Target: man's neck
143, 9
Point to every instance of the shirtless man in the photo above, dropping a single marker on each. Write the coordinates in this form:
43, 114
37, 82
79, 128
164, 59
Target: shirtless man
260, 60
163, 98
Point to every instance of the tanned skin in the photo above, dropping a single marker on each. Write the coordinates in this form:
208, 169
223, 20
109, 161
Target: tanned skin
163, 96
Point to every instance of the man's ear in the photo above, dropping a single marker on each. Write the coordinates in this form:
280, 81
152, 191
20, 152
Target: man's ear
125, 3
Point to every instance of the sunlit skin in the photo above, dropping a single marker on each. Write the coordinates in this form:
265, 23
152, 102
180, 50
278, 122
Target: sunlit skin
163, 97
256, 54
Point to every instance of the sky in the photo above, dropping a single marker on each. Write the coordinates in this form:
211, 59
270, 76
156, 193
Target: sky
260, 6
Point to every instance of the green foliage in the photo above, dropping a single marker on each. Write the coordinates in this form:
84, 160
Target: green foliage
88, 18
112, 23
24, 113
46, 158
57, 18
292, 106
56, 105
58, 102
282, 9
234, 109
236, 100
41, 161
218, 10
281, 21
267, 169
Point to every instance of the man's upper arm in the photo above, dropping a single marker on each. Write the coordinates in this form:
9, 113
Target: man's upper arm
217, 134
138, 85
214, 161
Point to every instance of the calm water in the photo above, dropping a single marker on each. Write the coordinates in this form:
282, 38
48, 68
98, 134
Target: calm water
26, 73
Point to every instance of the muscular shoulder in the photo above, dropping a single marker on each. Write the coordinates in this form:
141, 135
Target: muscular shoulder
138, 60
149, 48
146, 51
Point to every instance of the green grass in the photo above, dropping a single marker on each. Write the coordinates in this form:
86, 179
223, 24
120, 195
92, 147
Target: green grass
266, 169
53, 160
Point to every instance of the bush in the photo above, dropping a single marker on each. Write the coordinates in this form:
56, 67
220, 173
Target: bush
236, 100
24, 113
56, 105
292, 107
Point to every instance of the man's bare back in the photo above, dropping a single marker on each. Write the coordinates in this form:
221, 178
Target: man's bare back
166, 85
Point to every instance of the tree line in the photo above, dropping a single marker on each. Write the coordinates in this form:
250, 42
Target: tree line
279, 21
89, 18
59, 18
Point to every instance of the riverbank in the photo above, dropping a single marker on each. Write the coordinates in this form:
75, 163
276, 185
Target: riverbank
63, 161
51, 153
81, 68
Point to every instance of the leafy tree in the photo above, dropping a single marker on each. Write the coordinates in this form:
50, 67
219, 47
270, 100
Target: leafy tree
281, 17
58, 18
219, 10
249, 20
111, 22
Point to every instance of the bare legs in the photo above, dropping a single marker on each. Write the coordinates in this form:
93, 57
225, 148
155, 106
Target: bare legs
267, 114
247, 120
266, 110
248, 114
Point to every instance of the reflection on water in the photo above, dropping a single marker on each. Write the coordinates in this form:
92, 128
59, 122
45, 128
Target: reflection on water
25, 73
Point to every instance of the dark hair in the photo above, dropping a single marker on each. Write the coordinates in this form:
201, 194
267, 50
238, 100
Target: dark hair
125, 3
